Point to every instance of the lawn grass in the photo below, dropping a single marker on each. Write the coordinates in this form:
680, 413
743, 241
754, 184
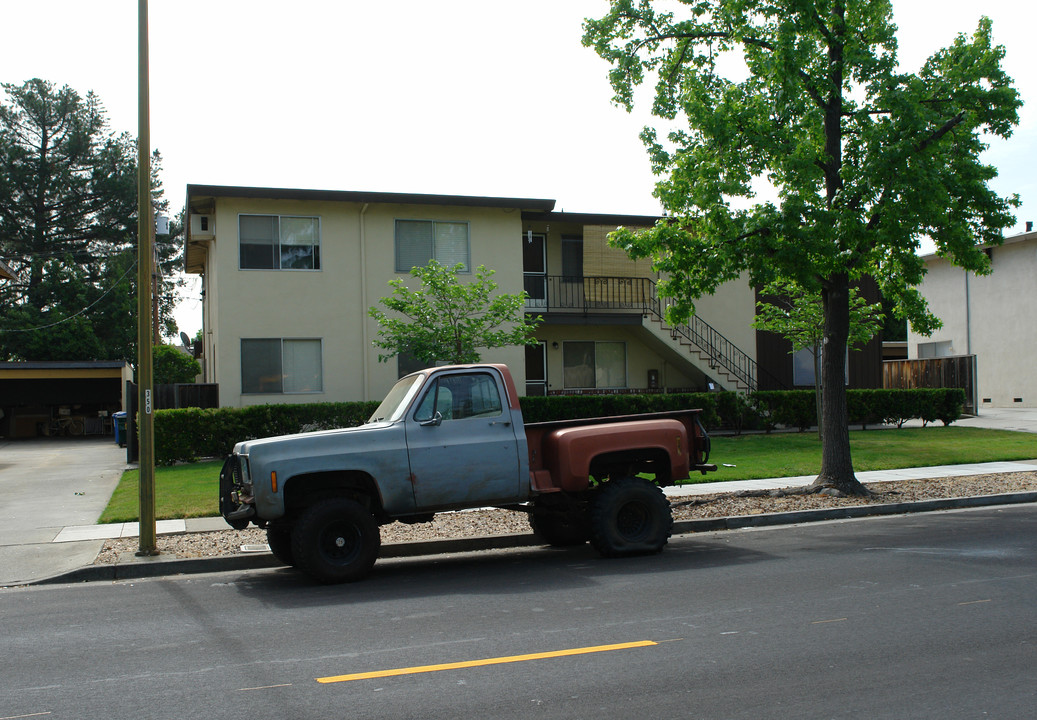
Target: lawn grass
185, 491
792, 454
181, 491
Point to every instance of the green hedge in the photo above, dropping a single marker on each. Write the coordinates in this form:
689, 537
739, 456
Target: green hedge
797, 408
192, 433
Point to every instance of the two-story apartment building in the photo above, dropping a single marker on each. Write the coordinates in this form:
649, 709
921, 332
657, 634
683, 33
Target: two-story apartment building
985, 316
288, 277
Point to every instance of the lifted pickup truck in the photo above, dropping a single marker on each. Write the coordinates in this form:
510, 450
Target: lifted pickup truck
450, 438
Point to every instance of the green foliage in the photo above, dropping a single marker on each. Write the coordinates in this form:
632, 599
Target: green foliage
68, 227
190, 433
796, 408
449, 320
865, 160
170, 365
797, 314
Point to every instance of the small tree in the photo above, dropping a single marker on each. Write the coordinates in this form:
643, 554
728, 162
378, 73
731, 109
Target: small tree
449, 320
798, 316
173, 366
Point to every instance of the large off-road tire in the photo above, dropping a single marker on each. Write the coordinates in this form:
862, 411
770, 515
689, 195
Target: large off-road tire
279, 538
335, 541
559, 527
630, 516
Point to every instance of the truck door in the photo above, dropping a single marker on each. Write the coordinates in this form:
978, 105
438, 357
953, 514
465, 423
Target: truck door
461, 442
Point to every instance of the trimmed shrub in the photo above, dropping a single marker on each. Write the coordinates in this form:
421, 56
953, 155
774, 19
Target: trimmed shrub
191, 433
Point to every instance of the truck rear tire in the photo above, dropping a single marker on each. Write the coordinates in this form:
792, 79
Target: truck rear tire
630, 516
335, 541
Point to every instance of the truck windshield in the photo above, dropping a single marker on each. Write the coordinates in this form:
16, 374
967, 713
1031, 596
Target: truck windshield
392, 407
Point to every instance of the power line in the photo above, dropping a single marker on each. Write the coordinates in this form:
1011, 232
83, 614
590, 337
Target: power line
73, 317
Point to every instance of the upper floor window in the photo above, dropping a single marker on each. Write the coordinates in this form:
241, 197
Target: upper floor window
418, 241
278, 242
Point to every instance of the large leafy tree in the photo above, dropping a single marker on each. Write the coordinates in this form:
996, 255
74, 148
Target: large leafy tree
68, 204
865, 160
449, 320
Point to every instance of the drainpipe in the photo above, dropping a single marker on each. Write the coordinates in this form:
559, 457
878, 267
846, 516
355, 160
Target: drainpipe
968, 317
363, 298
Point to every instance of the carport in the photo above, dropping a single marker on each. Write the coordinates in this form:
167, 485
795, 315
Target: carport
61, 398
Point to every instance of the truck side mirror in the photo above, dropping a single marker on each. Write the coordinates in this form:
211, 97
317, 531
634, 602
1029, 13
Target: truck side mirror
435, 421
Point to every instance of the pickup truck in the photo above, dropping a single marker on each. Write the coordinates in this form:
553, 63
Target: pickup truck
449, 438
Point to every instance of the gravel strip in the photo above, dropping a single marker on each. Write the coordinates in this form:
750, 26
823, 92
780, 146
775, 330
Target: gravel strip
473, 523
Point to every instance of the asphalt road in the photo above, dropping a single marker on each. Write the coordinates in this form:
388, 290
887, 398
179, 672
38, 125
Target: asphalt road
922, 616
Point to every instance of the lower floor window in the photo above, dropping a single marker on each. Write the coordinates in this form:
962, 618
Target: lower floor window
803, 367
594, 364
276, 365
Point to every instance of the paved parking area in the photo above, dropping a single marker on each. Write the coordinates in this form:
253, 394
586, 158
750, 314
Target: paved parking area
47, 484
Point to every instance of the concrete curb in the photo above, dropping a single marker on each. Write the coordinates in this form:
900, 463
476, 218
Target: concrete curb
140, 568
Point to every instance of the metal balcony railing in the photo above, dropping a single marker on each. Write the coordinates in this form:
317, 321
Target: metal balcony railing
561, 294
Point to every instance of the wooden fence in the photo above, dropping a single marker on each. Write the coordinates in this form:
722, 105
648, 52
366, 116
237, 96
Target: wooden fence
943, 372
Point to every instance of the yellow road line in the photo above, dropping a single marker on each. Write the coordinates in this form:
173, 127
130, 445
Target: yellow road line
480, 663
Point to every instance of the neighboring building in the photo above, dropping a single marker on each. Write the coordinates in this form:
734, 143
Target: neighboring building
986, 316
65, 398
288, 277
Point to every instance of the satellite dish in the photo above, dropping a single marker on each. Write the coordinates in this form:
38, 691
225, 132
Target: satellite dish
185, 340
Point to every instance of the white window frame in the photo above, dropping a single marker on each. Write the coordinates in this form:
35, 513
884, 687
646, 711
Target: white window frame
278, 254
283, 374
396, 243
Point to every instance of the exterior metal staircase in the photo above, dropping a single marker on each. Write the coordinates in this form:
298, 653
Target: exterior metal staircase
726, 362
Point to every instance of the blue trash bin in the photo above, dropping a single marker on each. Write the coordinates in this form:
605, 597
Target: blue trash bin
120, 428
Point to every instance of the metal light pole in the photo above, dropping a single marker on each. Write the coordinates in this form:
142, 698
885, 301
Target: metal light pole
145, 239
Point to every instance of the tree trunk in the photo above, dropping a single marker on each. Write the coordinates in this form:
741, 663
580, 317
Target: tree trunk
836, 463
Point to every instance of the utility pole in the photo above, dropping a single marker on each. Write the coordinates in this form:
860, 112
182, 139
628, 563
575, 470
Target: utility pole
145, 260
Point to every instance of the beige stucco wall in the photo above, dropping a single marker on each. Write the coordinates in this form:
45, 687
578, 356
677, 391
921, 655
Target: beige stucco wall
357, 262
989, 316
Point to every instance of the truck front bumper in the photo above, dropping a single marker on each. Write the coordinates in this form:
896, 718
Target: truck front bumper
236, 503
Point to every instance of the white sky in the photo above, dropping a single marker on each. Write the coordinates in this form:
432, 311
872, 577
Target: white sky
468, 97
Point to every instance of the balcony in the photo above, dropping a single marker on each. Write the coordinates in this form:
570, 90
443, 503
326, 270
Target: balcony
558, 293
589, 296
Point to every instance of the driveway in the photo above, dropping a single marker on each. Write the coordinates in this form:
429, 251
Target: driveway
46, 484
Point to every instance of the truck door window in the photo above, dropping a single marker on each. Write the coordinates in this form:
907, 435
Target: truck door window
457, 397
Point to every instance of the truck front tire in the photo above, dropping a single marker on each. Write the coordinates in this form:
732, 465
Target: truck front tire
279, 538
335, 541
630, 516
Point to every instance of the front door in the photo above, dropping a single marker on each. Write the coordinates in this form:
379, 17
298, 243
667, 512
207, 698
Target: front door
462, 443
534, 269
